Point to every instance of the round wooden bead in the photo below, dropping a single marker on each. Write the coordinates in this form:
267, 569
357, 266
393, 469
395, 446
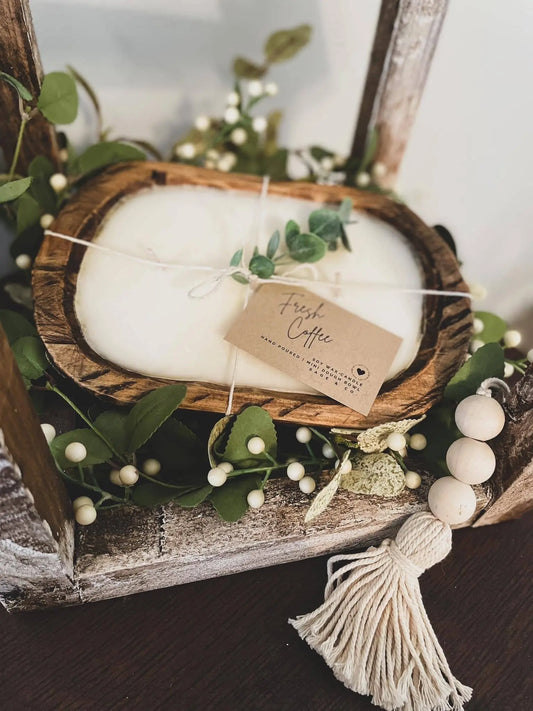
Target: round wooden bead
480, 417
451, 501
470, 461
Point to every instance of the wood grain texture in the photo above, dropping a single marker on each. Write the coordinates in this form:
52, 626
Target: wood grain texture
131, 550
19, 56
512, 483
225, 645
404, 44
446, 321
36, 529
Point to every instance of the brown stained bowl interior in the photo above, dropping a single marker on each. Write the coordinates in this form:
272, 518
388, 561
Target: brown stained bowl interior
446, 326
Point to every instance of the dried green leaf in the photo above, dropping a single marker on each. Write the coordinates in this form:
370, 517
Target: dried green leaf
284, 44
374, 475
375, 438
323, 498
246, 69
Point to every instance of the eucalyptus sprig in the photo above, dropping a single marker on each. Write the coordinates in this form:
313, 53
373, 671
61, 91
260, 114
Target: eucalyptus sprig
326, 231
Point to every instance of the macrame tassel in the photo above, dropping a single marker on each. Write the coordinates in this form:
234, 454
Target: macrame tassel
372, 629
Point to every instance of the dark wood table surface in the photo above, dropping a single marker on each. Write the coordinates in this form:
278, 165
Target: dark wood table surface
225, 644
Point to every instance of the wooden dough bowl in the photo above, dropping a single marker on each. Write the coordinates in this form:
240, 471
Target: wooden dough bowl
446, 321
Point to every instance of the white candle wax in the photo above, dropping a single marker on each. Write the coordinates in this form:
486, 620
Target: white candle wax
142, 317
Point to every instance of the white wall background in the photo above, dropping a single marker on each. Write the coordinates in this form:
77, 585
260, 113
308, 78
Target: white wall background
469, 165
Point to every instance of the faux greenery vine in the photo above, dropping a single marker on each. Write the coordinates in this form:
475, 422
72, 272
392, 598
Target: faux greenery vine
150, 455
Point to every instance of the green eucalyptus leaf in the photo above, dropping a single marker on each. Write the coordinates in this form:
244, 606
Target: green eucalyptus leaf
112, 424
28, 212
273, 244
344, 239
30, 355
97, 450
20, 88
486, 362
230, 500
107, 153
240, 278
306, 247
14, 189
345, 210
326, 224
58, 100
292, 229
15, 325
246, 69
236, 259
252, 422
284, 44
150, 412
493, 327
262, 266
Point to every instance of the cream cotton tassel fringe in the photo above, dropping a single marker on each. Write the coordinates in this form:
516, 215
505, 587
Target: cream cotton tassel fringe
373, 630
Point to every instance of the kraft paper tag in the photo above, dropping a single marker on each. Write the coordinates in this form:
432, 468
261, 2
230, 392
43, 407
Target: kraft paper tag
316, 342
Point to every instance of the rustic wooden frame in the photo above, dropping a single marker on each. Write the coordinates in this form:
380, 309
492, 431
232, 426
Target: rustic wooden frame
130, 550
445, 332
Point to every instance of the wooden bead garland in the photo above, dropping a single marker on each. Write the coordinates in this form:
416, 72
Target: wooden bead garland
372, 629
470, 459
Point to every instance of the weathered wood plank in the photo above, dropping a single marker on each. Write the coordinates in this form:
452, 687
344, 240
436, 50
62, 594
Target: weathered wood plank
130, 550
19, 56
404, 43
36, 529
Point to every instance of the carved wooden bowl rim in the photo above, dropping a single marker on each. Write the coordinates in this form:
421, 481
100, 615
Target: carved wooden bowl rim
446, 321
